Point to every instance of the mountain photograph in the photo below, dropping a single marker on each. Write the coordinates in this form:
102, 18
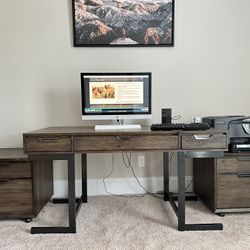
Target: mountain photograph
123, 22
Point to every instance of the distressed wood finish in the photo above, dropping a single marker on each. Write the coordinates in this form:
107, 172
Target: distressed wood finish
233, 165
15, 170
204, 180
125, 142
86, 139
50, 143
231, 176
90, 130
12, 154
206, 140
42, 184
16, 198
233, 191
25, 186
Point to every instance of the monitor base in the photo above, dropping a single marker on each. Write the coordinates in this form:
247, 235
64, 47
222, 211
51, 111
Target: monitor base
117, 127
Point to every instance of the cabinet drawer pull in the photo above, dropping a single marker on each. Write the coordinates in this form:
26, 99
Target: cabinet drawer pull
243, 175
202, 137
4, 180
4, 164
125, 138
47, 139
239, 175
242, 158
228, 173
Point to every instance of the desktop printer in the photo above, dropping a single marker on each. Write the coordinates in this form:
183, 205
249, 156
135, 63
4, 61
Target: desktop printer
238, 127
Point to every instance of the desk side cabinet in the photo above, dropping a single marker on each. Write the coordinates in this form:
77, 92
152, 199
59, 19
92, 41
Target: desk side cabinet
25, 186
224, 183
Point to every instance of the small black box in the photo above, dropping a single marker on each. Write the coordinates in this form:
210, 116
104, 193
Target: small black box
166, 115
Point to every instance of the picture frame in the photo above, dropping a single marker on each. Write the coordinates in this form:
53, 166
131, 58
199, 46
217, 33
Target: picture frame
123, 23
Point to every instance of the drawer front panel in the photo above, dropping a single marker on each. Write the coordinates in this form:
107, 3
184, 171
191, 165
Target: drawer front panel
47, 143
16, 197
125, 142
233, 190
204, 141
15, 170
233, 165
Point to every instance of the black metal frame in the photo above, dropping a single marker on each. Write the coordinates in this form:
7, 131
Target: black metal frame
180, 209
75, 44
74, 204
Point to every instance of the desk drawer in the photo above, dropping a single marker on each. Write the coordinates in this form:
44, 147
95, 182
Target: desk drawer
125, 142
237, 164
16, 197
204, 141
47, 143
15, 170
233, 190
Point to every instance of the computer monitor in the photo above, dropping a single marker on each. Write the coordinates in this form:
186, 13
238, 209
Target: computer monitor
116, 96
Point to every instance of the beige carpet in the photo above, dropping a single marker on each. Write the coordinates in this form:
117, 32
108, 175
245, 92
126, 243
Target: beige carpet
135, 223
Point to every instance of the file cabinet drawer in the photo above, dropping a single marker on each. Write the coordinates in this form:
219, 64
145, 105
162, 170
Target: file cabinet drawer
125, 142
16, 197
15, 170
233, 190
224, 183
237, 164
203, 141
25, 185
47, 143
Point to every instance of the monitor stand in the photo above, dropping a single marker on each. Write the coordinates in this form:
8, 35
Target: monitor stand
119, 126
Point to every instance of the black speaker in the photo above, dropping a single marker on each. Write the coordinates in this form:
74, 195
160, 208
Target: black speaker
166, 116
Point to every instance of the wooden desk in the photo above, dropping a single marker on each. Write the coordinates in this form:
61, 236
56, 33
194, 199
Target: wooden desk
61, 143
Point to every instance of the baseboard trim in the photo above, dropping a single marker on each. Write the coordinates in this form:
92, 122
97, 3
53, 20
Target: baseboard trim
120, 186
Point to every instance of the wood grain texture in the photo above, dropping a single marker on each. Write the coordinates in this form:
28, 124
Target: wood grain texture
15, 170
12, 154
16, 197
231, 176
204, 180
51, 143
25, 186
233, 165
90, 130
232, 191
125, 142
58, 139
42, 184
213, 141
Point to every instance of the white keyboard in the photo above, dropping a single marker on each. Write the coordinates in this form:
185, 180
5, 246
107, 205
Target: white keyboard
117, 127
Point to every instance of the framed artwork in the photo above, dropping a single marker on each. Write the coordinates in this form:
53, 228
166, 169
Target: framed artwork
115, 23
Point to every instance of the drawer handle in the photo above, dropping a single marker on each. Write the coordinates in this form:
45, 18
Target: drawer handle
4, 180
243, 158
202, 137
125, 138
5, 164
239, 175
47, 139
243, 175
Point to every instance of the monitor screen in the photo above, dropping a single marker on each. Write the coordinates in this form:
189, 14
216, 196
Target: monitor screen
116, 95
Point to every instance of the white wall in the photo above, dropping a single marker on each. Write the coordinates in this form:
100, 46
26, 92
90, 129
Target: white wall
206, 73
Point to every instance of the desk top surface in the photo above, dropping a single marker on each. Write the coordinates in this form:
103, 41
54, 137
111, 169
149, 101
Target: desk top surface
12, 154
90, 130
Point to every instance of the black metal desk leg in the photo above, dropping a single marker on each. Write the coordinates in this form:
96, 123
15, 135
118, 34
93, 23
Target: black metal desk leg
84, 178
182, 226
166, 175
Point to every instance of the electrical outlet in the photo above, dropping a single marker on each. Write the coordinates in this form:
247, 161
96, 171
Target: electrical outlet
141, 161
